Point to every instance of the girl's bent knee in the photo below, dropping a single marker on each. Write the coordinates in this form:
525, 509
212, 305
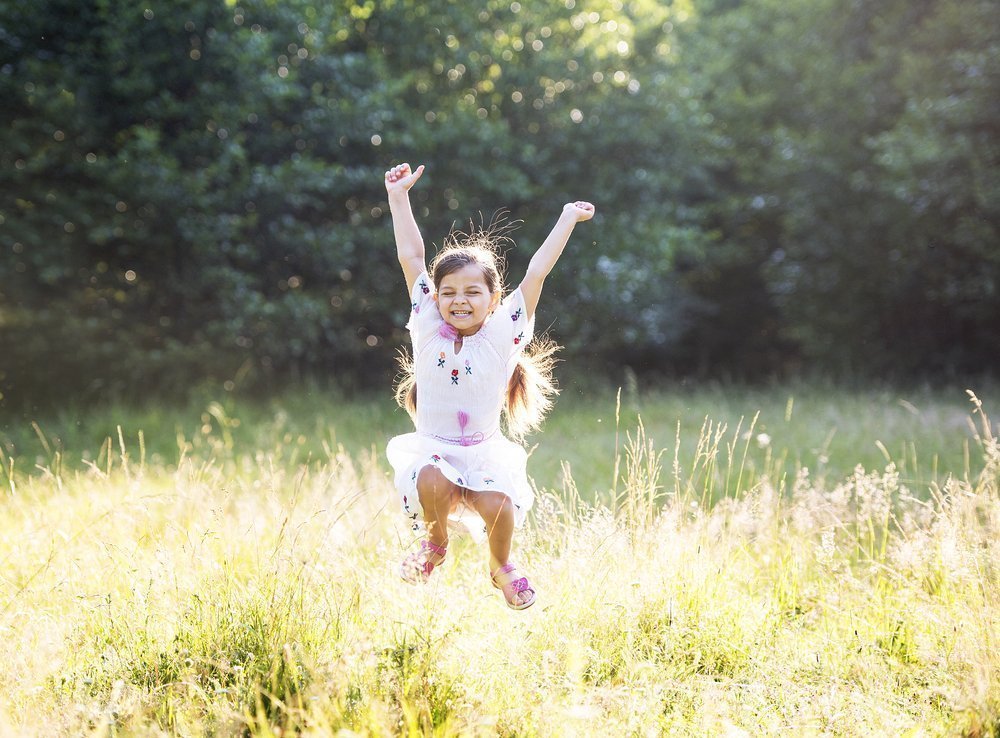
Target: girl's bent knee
433, 484
495, 505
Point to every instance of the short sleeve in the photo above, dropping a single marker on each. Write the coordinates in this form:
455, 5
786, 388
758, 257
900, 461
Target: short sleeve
514, 330
423, 309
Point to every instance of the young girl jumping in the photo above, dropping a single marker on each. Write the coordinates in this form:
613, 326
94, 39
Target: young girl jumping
469, 365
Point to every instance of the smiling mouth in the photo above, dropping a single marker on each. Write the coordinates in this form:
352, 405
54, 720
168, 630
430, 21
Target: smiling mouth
461, 313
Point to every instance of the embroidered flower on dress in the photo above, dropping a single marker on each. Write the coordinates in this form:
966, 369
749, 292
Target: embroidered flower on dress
516, 315
454, 376
423, 287
468, 367
520, 337
441, 359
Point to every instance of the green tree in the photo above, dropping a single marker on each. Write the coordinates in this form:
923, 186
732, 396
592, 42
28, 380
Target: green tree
811, 146
192, 190
940, 162
180, 192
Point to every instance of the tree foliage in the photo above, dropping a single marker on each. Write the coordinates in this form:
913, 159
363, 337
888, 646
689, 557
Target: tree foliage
192, 189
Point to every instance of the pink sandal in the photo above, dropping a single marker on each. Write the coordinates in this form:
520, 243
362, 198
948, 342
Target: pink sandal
417, 567
513, 587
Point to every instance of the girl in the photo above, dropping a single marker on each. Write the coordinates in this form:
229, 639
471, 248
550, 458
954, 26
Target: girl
469, 365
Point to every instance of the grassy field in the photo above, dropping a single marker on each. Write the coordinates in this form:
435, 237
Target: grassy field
928, 434
710, 561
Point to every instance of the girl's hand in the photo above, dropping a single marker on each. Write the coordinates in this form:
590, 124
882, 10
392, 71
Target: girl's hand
400, 178
580, 210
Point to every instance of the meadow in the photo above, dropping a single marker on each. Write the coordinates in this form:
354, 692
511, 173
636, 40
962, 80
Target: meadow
710, 560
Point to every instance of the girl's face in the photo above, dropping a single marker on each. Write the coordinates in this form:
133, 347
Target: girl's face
465, 300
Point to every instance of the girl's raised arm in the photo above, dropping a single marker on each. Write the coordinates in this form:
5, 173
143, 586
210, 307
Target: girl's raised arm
409, 242
550, 250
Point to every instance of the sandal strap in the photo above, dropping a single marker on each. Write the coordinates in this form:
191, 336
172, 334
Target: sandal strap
418, 566
426, 545
505, 569
515, 586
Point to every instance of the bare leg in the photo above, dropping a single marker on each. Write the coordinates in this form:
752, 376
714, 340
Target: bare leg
438, 497
497, 511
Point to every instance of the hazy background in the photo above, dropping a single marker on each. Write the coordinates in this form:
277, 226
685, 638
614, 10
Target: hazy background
191, 190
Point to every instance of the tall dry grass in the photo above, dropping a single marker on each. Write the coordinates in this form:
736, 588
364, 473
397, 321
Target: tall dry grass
240, 596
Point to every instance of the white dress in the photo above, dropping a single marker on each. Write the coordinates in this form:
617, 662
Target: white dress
459, 401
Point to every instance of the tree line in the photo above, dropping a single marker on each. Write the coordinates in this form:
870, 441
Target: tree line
191, 190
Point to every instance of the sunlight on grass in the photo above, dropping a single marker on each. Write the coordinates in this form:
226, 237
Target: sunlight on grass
233, 593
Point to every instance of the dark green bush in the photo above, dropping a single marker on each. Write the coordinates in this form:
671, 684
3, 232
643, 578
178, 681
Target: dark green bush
191, 190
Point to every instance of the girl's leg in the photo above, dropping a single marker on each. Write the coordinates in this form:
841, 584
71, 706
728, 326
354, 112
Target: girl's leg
497, 511
438, 497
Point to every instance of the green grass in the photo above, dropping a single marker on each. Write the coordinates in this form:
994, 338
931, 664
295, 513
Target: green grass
828, 430
775, 432
232, 573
